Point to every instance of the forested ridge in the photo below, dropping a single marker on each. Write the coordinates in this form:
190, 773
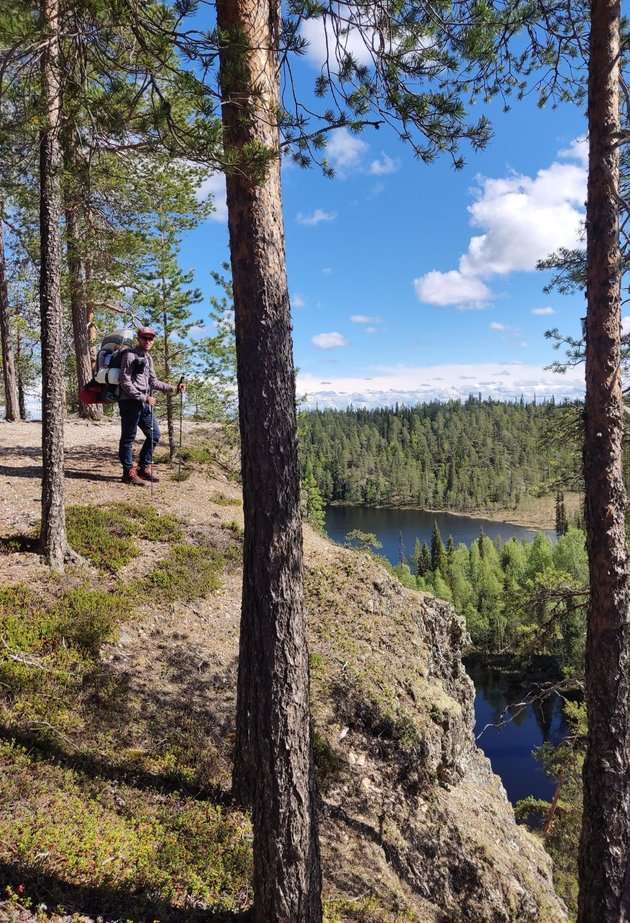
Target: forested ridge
480, 454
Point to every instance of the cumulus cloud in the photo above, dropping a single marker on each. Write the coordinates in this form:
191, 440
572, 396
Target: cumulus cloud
316, 217
327, 43
297, 301
625, 325
496, 326
383, 165
365, 319
214, 186
543, 312
409, 385
329, 340
452, 288
345, 151
523, 219
371, 329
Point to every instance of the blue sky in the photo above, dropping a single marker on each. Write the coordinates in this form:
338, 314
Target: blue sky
410, 282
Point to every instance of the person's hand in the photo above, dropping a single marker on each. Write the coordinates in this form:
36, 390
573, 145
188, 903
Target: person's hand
151, 401
181, 387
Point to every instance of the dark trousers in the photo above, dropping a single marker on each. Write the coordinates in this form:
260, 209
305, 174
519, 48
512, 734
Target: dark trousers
134, 415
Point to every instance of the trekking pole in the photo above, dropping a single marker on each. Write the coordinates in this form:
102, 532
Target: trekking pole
181, 429
151, 444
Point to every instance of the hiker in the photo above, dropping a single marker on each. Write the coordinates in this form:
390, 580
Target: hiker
136, 402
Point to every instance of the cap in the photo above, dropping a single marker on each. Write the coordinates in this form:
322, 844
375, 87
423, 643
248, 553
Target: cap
146, 332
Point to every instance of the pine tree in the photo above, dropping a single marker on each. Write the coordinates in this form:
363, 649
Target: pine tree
274, 756
605, 842
438, 552
561, 516
169, 205
9, 370
53, 527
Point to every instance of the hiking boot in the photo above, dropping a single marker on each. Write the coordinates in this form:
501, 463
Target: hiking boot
130, 476
148, 474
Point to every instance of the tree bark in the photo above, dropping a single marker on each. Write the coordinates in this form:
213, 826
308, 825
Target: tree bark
9, 372
604, 849
170, 424
273, 760
53, 528
20, 380
78, 303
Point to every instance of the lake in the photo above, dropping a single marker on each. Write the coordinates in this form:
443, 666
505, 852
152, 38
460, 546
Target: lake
387, 525
509, 748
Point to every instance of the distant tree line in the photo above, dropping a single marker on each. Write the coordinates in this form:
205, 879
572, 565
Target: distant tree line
479, 454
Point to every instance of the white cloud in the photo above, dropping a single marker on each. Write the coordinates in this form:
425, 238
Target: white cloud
453, 287
409, 385
329, 340
316, 217
325, 42
371, 329
496, 326
543, 312
214, 186
344, 151
625, 325
384, 165
297, 301
523, 220
365, 319
327, 270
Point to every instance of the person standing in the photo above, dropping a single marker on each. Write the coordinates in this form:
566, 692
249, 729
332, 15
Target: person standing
137, 383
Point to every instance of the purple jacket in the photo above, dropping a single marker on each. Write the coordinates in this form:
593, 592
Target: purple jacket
137, 376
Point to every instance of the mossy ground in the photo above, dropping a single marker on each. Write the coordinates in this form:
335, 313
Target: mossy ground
88, 820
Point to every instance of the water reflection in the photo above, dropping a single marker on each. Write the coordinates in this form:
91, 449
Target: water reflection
508, 736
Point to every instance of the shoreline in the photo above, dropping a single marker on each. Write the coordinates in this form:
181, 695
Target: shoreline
499, 516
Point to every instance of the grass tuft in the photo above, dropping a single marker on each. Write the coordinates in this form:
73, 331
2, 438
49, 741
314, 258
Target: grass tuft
106, 535
186, 573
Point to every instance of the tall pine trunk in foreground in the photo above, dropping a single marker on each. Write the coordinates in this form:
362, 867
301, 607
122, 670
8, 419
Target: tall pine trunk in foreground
273, 760
9, 371
604, 870
53, 529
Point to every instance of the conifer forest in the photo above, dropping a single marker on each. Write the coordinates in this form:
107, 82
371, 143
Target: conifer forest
266, 264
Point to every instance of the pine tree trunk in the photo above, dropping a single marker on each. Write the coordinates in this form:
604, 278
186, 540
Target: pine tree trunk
604, 848
78, 305
53, 529
273, 760
9, 373
20, 380
170, 424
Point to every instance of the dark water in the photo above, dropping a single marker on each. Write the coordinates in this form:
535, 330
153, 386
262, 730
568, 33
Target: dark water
387, 525
509, 748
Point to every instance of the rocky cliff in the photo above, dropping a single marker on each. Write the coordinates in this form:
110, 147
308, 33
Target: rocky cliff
415, 826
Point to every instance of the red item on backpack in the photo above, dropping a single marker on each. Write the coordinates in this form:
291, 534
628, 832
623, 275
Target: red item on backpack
92, 393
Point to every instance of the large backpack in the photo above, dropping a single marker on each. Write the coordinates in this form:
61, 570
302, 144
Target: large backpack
103, 389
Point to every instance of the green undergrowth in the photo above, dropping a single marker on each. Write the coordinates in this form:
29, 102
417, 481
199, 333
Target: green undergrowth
365, 909
107, 535
222, 499
138, 847
49, 645
186, 573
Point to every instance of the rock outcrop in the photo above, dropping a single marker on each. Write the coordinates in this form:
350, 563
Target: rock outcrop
415, 826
